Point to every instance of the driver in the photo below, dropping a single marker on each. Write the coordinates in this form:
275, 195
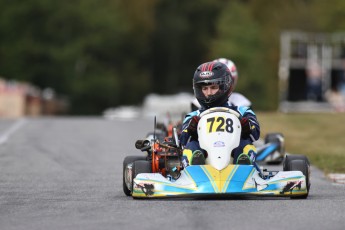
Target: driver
213, 84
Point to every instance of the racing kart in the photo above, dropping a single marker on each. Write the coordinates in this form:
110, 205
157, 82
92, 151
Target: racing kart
271, 150
160, 174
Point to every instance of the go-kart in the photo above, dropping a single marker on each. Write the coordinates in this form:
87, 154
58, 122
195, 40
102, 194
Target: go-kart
160, 174
271, 150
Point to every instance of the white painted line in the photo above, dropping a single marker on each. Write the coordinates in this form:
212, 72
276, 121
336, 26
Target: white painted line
6, 135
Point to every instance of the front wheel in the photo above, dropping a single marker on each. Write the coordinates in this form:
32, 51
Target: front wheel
298, 163
127, 179
138, 167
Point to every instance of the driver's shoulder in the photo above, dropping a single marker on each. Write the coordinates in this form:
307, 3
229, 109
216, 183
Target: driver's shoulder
243, 110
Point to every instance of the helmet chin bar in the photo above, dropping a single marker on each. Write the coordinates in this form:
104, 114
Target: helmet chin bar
213, 100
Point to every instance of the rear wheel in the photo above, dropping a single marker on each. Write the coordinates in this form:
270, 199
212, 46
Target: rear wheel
127, 179
277, 138
298, 163
274, 137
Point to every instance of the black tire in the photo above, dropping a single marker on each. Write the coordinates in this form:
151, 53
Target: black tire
289, 158
140, 166
126, 161
298, 163
277, 138
273, 137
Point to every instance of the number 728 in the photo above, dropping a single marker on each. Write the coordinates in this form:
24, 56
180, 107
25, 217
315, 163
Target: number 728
220, 124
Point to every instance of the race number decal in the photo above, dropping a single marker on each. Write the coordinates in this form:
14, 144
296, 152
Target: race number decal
220, 124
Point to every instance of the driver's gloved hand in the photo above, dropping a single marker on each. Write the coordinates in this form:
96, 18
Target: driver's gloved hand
193, 127
245, 123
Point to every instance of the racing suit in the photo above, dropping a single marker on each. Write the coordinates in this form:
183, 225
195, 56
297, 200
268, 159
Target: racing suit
191, 144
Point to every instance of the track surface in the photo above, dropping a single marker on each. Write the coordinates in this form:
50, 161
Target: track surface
66, 173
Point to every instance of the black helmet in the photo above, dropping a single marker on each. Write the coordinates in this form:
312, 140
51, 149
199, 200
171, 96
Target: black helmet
211, 73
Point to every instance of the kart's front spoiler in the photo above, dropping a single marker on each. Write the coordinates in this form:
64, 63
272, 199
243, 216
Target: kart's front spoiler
234, 180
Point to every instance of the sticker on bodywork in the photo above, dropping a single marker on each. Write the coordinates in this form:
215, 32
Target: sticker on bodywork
218, 144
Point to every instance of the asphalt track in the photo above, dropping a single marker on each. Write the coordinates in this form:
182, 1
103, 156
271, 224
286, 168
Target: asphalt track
66, 173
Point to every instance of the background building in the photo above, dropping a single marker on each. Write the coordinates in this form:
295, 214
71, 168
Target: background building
312, 72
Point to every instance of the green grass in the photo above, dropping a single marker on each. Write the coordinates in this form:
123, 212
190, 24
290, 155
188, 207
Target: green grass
321, 137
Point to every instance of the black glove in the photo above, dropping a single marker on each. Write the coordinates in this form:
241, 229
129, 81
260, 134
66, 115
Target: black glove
245, 123
193, 126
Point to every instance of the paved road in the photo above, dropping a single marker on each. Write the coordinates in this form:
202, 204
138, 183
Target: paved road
65, 173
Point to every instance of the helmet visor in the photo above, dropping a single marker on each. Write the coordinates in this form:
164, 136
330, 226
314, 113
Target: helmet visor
223, 83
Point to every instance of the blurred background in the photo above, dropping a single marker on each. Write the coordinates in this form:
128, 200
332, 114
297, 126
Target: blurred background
85, 57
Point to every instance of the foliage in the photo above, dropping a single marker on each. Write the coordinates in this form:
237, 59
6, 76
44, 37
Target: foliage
112, 52
181, 41
83, 49
238, 39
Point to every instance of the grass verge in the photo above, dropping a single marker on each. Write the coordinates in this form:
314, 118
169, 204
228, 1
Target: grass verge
321, 137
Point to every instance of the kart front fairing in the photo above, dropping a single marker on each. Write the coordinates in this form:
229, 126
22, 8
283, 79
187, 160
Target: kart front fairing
205, 180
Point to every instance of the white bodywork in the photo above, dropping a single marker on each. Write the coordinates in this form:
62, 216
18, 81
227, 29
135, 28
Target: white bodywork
219, 132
